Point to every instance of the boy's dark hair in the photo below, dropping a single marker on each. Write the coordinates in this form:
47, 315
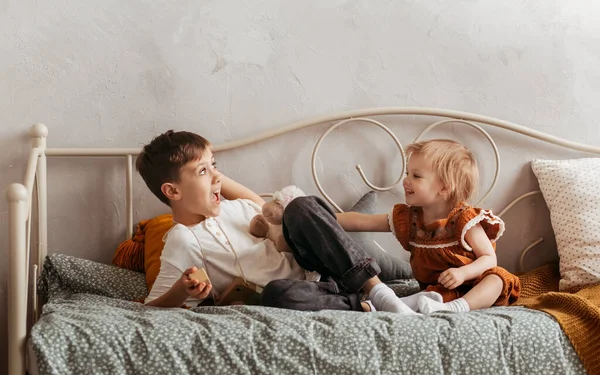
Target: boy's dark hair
161, 160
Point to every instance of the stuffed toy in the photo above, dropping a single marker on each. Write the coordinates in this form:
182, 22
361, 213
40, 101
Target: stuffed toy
269, 223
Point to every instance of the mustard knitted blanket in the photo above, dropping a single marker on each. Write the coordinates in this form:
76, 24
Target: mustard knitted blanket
577, 311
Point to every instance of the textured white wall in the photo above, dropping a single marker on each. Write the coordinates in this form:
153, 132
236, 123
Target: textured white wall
114, 73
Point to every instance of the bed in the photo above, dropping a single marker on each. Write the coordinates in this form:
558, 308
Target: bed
82, 316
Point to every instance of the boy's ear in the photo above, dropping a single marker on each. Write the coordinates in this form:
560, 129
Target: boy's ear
170, 191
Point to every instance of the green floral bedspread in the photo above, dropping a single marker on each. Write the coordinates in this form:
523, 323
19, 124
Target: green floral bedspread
89, 326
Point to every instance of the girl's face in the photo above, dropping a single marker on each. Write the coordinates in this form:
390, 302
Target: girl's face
422, 186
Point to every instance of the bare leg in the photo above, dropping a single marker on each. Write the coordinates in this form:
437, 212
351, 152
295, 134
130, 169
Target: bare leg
482, 295
485, 293
370, 284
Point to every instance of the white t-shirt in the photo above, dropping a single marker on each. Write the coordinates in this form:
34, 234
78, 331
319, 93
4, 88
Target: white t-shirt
260, 261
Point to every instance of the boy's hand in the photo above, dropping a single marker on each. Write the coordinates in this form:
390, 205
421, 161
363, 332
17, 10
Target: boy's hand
452, 278
193, 287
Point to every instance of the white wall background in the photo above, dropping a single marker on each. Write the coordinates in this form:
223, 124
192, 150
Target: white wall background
115, 74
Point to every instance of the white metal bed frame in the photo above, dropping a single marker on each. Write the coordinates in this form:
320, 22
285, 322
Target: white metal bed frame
20, 196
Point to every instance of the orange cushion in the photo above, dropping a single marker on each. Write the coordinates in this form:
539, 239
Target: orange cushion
130, 253
155, 230
142, 252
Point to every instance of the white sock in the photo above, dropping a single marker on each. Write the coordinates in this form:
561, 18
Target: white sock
384, 299
428, 306
411, 301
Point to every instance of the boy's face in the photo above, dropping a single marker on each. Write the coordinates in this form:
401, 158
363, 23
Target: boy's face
197, 194
422, 186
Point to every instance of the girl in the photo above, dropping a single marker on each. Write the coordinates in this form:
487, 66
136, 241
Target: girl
451, 244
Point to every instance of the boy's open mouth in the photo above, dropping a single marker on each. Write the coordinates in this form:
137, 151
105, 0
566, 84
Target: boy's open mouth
217, 196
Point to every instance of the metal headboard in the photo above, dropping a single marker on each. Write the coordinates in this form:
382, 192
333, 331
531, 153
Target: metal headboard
20, 196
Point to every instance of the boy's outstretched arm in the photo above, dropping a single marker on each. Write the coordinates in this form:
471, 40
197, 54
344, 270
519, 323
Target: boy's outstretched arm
231, 190
357, 222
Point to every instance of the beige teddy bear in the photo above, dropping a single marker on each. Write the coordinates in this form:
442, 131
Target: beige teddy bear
268, 224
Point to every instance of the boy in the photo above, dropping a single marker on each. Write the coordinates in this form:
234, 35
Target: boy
179, 168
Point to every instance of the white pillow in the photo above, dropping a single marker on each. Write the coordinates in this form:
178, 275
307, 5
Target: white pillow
571, 189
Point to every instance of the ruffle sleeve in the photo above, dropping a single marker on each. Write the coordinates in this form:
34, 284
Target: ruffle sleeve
491, 224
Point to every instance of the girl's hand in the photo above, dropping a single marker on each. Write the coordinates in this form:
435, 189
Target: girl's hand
452, 278
193, 287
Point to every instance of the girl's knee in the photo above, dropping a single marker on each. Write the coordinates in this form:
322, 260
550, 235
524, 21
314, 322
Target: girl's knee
494, 278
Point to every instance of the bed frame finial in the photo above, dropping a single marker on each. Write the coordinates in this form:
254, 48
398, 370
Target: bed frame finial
16, 193
38, 134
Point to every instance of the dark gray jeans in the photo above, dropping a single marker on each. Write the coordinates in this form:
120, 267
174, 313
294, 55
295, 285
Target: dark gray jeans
320, 244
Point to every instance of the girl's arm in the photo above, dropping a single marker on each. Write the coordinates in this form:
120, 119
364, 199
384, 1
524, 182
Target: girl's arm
486, 259
357, 222
483, 250
231, 190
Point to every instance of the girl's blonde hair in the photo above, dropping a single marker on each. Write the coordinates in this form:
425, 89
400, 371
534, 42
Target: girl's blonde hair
454, 164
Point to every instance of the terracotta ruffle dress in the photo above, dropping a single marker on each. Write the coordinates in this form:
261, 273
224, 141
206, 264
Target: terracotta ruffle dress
440, 245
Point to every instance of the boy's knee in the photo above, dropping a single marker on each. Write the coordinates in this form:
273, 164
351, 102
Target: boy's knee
302, 208
296, 211
299, 206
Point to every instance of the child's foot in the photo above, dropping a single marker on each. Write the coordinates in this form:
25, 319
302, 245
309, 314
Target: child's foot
368, 306
383, 298
412, 300
428, 306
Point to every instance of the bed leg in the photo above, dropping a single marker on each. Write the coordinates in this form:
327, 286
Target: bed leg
16, 194
36, 309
